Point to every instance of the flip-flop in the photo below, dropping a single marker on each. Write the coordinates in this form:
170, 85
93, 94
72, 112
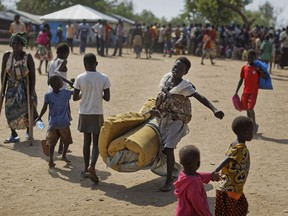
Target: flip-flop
166, 188
12, 139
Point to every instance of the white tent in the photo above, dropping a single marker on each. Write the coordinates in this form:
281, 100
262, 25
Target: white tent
78, 13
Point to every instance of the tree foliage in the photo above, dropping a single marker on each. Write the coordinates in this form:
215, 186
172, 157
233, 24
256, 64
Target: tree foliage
219, 11
1, 6
124, 8
42, 7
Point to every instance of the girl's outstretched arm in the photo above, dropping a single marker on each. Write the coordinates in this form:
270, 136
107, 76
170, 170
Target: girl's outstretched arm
217, 113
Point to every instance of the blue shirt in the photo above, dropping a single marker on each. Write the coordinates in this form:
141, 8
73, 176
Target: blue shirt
84, 29
59, 111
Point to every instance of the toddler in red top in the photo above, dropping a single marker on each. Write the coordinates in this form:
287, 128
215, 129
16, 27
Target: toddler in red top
250, 75
189, 188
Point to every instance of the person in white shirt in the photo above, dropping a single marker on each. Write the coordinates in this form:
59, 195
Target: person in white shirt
91, 87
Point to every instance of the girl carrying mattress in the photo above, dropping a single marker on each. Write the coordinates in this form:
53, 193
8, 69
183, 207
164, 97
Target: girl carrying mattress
173, 111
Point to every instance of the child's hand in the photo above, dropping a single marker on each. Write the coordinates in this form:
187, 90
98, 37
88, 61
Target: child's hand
218, 114
216, 176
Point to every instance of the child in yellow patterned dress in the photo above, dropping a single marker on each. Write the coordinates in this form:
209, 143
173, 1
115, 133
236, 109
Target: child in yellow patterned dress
230, 199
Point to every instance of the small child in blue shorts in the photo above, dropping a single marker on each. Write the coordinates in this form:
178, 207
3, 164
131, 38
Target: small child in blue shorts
59, 117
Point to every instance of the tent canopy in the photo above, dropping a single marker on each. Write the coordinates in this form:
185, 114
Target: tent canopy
78, 13
25, 17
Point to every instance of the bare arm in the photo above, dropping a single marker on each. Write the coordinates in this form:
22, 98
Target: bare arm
106, 95
76, 94
239, 85
262, 73
223, 163
43, 110
217, 113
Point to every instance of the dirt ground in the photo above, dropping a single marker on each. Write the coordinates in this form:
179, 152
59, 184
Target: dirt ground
28, 187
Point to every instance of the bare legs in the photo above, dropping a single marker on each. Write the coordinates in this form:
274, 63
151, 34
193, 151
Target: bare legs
86, 153
40, 65
251, 115
169, 152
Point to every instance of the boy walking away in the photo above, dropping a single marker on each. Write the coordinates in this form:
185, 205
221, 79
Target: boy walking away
173, 111
192, 198
59, 117
250, 74
230, 199
91, 87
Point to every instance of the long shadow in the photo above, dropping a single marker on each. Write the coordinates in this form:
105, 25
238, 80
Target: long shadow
280, 141
68, 172
279, 79
278, 75
144, 194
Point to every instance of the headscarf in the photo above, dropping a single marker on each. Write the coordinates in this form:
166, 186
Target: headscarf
21, 36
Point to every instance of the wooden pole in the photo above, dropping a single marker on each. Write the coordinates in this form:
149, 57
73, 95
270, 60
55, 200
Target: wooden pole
3, 88
30, 112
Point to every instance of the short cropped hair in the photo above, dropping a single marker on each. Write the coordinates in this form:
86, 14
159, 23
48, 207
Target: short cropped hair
90, 59
185, 61
241, 124
189, 155
62, 48
54, 80
251, 52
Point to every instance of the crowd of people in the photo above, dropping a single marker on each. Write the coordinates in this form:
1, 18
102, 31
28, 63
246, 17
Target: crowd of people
172, 110
225, 41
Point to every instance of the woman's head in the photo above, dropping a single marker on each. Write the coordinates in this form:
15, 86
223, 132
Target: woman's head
189, 157
243, 127
62, 51
18, 41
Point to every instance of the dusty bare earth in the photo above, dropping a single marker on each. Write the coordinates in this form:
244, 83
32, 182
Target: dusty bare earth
28, 187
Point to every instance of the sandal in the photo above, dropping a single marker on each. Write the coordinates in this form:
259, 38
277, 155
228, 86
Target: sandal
166, 188
12, 139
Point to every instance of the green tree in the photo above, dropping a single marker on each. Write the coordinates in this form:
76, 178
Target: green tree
1, 6
267, 14
124, 9
218, 11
